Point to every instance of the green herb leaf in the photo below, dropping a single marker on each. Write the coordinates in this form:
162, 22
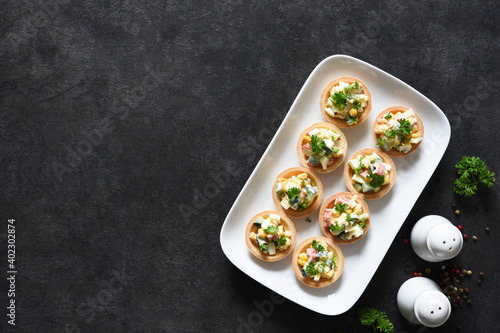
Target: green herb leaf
348, 218
404, 126
335, 227
271, 230
376, 319
352, 87
311, 270
263, 247
317, 144
472, 171
357, 104
293, 192
339, 99
282, 241
388, 116
341, 207
377, 180
380, 142
362, 225
308, 220
317, 246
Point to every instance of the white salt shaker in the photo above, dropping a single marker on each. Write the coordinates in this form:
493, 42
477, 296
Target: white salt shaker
421, 301
434, 239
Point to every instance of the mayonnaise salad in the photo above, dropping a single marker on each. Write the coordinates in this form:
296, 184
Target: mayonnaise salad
346, 219
317, 262
271, 235
296, 192
321, 146
398, 130
347, 101
370, 173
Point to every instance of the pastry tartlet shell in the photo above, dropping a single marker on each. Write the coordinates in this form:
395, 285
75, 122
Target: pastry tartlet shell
315, 182
325, 95
393, 110
348, 173
329, 203
254, 248
319, 169
323, 282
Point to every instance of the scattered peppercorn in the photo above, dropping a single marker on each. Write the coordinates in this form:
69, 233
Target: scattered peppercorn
427, 270
457, 212
408, 263
405, 241
407, 270
415, 274
469, 272
487, 230
460, 227
465, 236
481, 275
474, 238
479, 282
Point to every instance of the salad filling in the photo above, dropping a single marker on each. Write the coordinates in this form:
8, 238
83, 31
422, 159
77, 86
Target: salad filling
271, 235
370, 173
347, 101
321, 147
297, 192
346, 219
317, 262
399, 131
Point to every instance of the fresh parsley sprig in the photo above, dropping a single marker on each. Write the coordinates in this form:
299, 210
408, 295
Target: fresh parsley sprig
292, 193
375, 318
341, 207
472, 171
317, 144
339, 99
377, 180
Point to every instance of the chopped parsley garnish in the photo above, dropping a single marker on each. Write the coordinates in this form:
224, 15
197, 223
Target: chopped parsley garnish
308, 220
357, 104
391, 133
303, 206
352, 87
317, 144
271, 230
377, 180
339, 99
311, 270
404, 126
340, 207
362, 225
380, 142
348, 218
375, 319
292, 193
388, 116
317, 246
359, 169
335, 227
282, 241
263, 247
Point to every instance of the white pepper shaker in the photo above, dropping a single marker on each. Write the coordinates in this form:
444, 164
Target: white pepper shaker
434, 239
421, 301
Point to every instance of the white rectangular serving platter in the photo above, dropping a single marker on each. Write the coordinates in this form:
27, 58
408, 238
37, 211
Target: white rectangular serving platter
388, 213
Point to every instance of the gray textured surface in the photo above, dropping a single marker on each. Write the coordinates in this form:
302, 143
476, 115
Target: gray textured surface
114, 114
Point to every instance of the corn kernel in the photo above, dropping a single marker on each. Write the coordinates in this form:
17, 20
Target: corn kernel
302, 176
358, 210
349, 211
253, 236
415, 135
387, 180
303, 256
353, 112
301, 262
307, 139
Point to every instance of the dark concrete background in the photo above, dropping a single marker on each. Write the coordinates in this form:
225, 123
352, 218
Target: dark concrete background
114, 114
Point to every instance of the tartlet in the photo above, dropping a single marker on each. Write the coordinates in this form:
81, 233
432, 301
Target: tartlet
384, 167
326, 138
301, 271
291, 192
281, 249
339, 222
395, 136
333, 105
